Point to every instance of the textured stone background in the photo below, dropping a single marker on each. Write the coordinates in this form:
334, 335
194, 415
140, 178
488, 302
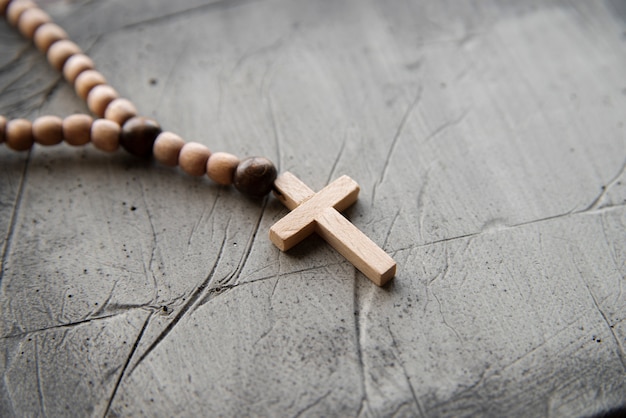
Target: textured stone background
489, 141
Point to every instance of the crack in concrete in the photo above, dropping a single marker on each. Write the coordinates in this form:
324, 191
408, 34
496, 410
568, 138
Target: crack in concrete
126, 308
605, 189
448, 124
396, 354
40, 394
311, 405
183, 311
359, 346
337, 159
394, 142
125, 367
14, 214
616, 339
509, 227
249, 245
221, 4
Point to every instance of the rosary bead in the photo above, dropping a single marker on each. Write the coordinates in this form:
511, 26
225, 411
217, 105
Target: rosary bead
16, 8
167, 148
255, 176
86, 81
19, 134
99, 98
48, 130
193, 158
3, 6
221, 167
77, 129
47, 34
3, 123
120, 110
105, 135
75, 65
138, 135
60, 52
31, 20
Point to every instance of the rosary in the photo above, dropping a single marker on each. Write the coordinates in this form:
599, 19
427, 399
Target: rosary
118, 124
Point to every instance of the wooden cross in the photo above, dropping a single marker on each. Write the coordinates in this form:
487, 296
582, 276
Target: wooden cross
319, 212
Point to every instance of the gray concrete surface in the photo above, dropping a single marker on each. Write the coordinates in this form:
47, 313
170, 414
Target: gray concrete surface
488, 139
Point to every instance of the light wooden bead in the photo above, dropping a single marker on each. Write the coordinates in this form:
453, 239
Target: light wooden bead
47, 34
167, 148
3, 6
16, 8
221, 167
193, 158
77, 129
120, 110
3, 120
76, 65
86, 81
31, 20
99, 98
48, 130
61, 51
105, 135
19, 134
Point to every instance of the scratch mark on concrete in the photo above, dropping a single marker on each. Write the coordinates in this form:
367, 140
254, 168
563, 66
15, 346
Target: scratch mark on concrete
194, 297
221, 4
49, 91
612, 252
445, 270
203, 216
14, 214
274, 120
509, 227
420, 203
105, 304
359, 346
396, 353
443, 318
270, 315
474, 385
616, 339
281, 275
396, 137
546, 341
42, 403
393, 223
249, 245
175, 65
125, 367
17, 57
337, 159
605, 189
12, 83
446, 125
277, 44
148, 270
312, 405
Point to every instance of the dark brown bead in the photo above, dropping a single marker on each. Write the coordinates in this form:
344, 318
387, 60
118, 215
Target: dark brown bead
255, 176
138, 135
3, 124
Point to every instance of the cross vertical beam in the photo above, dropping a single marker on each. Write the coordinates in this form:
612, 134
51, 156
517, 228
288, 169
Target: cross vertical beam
319, 212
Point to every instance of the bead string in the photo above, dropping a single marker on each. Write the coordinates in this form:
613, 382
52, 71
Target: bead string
118, 123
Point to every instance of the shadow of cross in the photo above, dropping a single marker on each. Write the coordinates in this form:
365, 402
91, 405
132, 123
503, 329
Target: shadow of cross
319, 212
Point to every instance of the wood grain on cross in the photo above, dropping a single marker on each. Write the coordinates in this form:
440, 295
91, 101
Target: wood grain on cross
319, 212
